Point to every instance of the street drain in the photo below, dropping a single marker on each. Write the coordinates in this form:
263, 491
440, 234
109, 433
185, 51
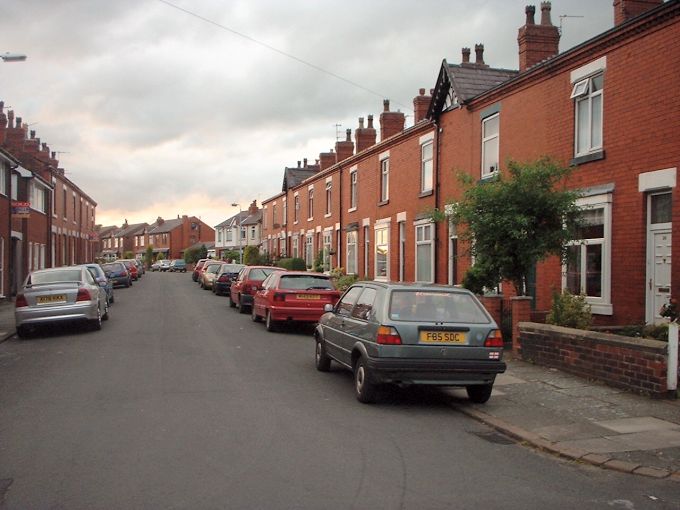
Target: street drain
494, 437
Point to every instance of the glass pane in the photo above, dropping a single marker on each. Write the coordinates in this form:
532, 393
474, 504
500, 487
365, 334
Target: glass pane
491, 126
424, 263
574, 269
594, 270
364, 305
596, 83
596, 123
436, 306
305, 282
427, 151
381, 261
582, 127
593, 224
490, 163
661, 208
351, 258
427, 176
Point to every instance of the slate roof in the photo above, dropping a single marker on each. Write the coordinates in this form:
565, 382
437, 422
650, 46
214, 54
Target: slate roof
294, 176
166, 226
130, 229
108, 231
469, 81
253, 219
232, 221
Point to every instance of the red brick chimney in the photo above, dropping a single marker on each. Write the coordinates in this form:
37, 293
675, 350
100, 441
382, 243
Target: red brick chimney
421, 103
628, 9
365, 136
327, 160
252, 209
3, 123
344, 149
391, 123
537, 42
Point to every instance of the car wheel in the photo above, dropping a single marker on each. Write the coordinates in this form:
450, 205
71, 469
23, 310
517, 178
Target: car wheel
241, 307
22, 332
322, 361
269, 323
97, 323
113, 299
479, 393
253, 314
127, 284
364, 387
105, 317
231, 302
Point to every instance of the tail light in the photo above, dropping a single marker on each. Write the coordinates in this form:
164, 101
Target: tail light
279, 297
387, 335
20, 301
83, 295
222, 279
494, 339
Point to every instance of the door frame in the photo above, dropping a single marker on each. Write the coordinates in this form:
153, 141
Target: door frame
651, 230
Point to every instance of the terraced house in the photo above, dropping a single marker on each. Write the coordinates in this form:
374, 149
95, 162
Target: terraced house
367, 208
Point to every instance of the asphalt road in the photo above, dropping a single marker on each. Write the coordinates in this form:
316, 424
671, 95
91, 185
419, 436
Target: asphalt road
181, 402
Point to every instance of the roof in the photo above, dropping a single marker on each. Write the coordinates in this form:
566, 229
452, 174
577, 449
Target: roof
233, 221
130, 229
166, 226
253, 219
294, 176
469, 81
210, 245
106, 231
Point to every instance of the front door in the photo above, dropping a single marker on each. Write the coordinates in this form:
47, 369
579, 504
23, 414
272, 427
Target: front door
659, 237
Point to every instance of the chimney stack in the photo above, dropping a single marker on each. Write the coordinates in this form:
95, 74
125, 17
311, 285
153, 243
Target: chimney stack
537, 42
391, 123
629, 9
466, 55
344, 149
253, 207
421, 103
304, 163
326, 160
365, 137
479, 54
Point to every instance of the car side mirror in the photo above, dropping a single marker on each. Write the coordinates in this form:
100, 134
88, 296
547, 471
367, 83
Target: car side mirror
328, 307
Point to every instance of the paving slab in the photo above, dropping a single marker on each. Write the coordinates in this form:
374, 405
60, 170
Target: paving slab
571, 431
638, 424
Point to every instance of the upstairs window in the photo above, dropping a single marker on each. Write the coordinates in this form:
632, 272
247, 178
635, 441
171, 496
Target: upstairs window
274, 224
310, 204
38, 197
384, 180
426, 151
3, 179
284, 219
490, 138
588, 95
329, 186
296, 209
353, 190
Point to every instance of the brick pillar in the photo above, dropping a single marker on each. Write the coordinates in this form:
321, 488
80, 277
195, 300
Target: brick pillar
494, 305
521, 312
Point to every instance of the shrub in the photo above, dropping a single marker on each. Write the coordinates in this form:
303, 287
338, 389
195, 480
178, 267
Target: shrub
570, 311
292, 264
318, 263
251, 255
341, 280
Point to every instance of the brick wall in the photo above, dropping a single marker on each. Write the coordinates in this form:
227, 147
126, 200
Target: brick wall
635, 364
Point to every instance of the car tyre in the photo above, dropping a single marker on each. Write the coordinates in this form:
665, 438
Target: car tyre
479, 393
105, 317
253, 314
241, 307
23, 332
231, 302
113, 299
97, 323
269, 323
364, 388
322, 361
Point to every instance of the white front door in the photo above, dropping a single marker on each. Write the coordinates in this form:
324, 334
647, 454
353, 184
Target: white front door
659, 245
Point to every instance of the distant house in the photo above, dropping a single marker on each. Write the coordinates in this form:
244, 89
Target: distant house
128, 237
173, 237
104, 248
228, 236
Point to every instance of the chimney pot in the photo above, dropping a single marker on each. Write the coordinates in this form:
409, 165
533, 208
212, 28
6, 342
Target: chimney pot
530, 10
32, 134
18, 122
348, 138
386, 105
304, 162
370, 122
361, 123
479, 54
466, 55
298, 163
545, 14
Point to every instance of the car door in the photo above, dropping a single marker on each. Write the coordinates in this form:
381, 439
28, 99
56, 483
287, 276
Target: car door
263, 297
334, 326
362, 324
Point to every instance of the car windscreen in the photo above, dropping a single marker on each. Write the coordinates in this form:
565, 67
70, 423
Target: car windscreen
59, 275
231, 268
213, 268
304, 282
113, 267
259, 273
436, 306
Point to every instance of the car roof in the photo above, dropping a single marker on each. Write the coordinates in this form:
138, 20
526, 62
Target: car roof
303, 273
413, 286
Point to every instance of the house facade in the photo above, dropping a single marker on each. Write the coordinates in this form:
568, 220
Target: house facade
173, 237
238, 231
368, 209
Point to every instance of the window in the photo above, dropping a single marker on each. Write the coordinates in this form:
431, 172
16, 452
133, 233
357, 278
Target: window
329, 186
296, 211
284, 219
347, 301
587, 270
252, 232
367, 250
3, 182
426, 167
310, 204
229, 235
64, 206
382, 253
353, 190
309, 250
384, 180
424, 253
364, 307
490, 130
295, 242
264, 218
588, 125
327, 243
274, 224
38, 196
243, 233
352, 252
219, 235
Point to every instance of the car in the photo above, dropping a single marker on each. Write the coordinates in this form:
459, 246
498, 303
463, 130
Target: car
247, 283
62, 294
100, 277
293, 296
408, 334
156, 266
178, 266
131, 267
118, 273
224, 277
165, 265
140, 267
197, 269
208, 273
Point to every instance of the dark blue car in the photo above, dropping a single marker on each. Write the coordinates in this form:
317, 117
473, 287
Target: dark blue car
100, 277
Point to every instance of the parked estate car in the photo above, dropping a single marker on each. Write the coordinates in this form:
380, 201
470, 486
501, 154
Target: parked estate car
62, 294
209, 273
131, 267
100, 277
118, 273
247, 283
197, 269
165, 265
224, 277
289, 296
178, 266
411, 334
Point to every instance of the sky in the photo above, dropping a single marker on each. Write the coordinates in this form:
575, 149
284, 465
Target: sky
156, 111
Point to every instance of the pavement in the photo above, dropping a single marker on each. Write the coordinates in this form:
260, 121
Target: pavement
564, 415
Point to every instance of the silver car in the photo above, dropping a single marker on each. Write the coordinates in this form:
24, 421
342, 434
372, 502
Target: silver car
61, 294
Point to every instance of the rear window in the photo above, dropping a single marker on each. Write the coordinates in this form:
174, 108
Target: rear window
304, 282
113, 267
436, 306
259, 274
231, 268
62, 275
212, 268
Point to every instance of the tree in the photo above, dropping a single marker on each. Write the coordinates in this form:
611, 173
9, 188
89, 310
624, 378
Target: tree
203, 252
160, 256
516, 219
191, 255
148, 256
251, 255
129, 255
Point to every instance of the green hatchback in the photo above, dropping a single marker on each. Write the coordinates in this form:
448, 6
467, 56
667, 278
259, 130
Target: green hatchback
400, 333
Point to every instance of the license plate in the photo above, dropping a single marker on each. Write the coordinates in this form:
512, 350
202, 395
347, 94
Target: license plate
308, 296
56, 298
442, 337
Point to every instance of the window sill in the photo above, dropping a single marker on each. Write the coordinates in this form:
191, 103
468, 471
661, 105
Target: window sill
327, 215
427, 193
351, 209
310, 219
488, 177
384, 202
587, 158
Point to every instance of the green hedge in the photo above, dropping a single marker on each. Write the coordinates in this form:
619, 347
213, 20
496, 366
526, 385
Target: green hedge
292, 264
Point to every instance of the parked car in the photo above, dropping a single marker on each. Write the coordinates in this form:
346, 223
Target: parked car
63, 294
100, 277
140, 267
131, 267
165, 265
156, 266
118, 273
197, 269
224, 277
411, 334
293, 296
247, 283
208, 273
178, 266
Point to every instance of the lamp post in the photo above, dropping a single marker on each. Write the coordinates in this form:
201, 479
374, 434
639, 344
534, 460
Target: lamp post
240, 247
12, 57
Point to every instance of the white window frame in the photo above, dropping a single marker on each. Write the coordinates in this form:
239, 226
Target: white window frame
14, 185
599, 305
352, 261
3, 184
582, 92
327, 246
38, 197
284, 220
296, 209
353, 191
384, 180
310, 204
329, 196
309, 249
295, 240
423, 227
493, 138
380, 229
426, 183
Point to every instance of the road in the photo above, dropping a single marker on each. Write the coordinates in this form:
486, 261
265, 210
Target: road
181, 402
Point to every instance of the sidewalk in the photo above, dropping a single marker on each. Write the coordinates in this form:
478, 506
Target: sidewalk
7, 327
583, 420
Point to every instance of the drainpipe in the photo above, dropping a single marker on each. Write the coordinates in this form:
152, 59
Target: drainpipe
339, 247
437, 195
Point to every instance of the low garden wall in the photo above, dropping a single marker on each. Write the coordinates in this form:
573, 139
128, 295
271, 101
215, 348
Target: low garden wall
635, 364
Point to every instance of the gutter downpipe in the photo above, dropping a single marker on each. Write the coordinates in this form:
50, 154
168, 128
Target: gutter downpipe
437, 195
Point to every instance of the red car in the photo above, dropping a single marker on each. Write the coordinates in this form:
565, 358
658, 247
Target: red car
131, 266
248, 282
293, 296
197, 269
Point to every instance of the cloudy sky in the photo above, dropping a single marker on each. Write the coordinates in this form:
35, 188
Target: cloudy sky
156, 111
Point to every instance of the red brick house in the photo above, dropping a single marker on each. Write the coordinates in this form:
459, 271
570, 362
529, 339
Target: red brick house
172, 237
